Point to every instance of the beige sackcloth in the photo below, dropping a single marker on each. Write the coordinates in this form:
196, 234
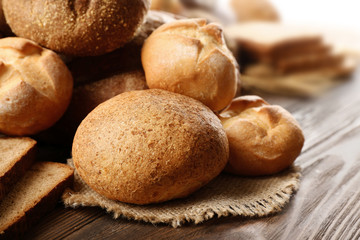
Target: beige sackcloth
226, 195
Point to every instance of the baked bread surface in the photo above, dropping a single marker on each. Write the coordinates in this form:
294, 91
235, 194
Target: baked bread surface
80, 27
263, 139
149, 146
35, 87
190, 57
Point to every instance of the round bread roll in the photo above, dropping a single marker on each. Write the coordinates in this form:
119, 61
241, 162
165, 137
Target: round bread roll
35, 87
82, 28
263, 139
191, 58
149, 146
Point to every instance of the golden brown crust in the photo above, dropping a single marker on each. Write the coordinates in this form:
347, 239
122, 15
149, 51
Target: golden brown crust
35, 87
191, 58
149, 146
263, 139
84, 28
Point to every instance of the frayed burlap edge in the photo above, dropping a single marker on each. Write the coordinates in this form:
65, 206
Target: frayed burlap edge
226, 195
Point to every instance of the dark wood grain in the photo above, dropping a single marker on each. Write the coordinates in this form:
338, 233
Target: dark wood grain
327, 205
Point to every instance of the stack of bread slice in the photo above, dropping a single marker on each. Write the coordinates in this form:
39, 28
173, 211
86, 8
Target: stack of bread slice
28, 188
283, 58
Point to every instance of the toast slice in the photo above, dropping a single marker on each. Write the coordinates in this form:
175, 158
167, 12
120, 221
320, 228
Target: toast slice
32, 196
16, 156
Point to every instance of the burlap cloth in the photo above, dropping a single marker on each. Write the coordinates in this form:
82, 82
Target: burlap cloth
226, 195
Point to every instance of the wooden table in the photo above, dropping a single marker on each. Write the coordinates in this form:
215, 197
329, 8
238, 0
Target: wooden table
327, 206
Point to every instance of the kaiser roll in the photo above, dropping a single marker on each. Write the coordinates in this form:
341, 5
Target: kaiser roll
263, 139
191, 58
35, 87
149, 146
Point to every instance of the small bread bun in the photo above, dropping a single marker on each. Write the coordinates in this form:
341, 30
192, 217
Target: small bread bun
264, 139
149, 146
191, 58
35, 87
82, 28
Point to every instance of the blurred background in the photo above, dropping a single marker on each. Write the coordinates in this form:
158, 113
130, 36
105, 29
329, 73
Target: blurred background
338, 14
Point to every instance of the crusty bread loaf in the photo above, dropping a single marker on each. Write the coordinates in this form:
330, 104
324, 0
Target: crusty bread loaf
16, 156
76, 27
263, 139
35, 87
34, 194
191, 58
149, 146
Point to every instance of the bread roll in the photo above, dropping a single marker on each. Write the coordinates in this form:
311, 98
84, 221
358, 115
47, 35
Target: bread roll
149, 146
81, 28
263, 139
191, 58
35, 87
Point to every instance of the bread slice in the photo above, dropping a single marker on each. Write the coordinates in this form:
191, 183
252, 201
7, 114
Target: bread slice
33, 195
267, 41
16, 156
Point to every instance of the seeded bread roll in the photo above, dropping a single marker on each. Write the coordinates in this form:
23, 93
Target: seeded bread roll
190, 57
35, 87
149, 146
263, 139
83, 28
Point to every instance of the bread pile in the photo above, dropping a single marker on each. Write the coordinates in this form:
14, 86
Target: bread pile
275, 52
132, 144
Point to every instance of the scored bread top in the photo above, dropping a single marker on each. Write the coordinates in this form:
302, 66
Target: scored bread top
35, 87
190, 57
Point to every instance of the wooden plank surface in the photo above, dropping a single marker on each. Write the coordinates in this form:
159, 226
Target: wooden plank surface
327, 205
